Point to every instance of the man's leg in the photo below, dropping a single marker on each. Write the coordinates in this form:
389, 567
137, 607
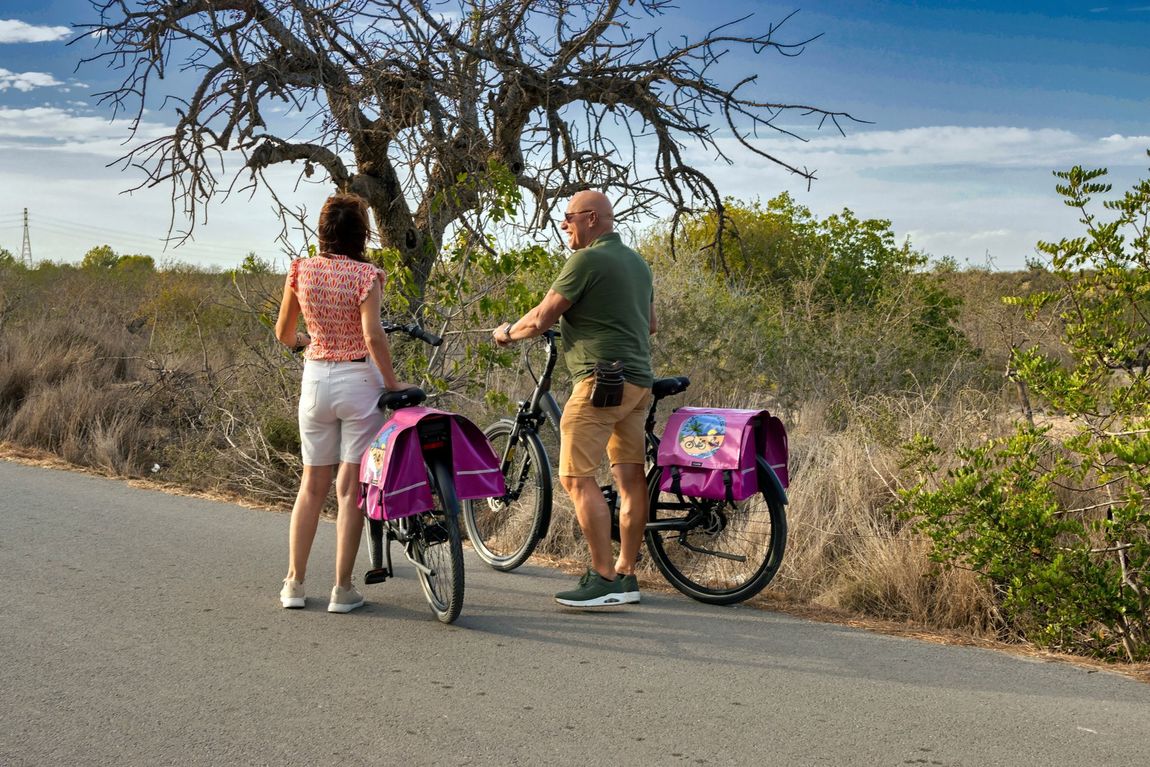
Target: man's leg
595, 521
598, 587
627, 451
631, 480
585, 431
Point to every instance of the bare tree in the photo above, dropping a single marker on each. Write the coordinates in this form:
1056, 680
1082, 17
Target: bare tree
413, 104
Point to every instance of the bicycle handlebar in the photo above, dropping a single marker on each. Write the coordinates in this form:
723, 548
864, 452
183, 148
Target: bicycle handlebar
413, 330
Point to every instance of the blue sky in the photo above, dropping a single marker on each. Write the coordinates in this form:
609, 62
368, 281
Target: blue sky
971, 107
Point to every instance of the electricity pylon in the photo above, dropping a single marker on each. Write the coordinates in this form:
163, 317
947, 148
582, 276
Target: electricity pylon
26, 247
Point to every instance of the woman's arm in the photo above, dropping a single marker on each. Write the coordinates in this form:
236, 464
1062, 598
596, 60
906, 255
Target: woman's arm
376, 339
287, 324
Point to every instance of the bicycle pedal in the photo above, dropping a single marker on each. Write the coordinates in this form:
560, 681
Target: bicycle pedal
378, 575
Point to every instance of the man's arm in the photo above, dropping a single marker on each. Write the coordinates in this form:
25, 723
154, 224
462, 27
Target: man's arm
654, 322
533, 323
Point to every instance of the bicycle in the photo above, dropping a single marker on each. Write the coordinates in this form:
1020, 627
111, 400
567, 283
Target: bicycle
504, 531
714, 551
410, 477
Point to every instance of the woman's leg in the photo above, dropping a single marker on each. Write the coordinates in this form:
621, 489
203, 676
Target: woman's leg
309, 500
349, 523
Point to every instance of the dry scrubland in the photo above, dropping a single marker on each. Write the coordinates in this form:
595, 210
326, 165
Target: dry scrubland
175, 375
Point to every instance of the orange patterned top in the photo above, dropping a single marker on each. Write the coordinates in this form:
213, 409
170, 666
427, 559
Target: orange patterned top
330, 289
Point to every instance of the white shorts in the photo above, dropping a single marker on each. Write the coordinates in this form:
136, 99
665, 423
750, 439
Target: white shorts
338, 416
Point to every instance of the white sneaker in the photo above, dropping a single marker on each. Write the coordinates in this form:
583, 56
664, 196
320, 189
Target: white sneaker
291, 595
344, 600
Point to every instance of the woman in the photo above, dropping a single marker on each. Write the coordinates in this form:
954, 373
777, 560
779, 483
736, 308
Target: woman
348, 363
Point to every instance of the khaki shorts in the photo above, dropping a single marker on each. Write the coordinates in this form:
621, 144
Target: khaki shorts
587, 432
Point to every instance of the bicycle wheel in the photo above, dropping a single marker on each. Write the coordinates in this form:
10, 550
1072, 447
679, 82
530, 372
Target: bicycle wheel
438, 547
724, 553
505, 531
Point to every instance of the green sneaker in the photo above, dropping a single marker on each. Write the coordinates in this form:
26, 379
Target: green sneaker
629, 585
594, 591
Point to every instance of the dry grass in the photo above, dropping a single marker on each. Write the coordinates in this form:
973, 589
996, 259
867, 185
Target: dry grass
140, 383
70, 392
848, 548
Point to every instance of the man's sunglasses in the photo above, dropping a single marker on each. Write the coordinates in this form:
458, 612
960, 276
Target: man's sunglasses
568, 216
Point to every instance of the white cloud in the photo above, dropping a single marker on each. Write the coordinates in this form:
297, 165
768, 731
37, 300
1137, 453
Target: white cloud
55, 162
993, 234
26, 81
970, 193
68, 215
52, 128
13, 31
935, 146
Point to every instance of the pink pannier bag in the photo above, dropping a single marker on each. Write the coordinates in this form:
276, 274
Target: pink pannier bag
712, 452
394, 481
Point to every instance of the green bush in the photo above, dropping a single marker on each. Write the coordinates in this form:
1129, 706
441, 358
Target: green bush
1061, 524
806, 308
100, 257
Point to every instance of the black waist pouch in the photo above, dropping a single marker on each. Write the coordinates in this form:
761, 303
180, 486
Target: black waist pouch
607, 388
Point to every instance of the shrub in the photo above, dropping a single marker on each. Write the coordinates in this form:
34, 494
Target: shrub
1060, 524
809, 309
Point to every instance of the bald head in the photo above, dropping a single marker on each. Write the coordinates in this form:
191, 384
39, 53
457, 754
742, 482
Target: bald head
589, 215
598, 202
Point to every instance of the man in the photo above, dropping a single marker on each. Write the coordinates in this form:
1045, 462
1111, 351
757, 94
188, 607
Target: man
603, 299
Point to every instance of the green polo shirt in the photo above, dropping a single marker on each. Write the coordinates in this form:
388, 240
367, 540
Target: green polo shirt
610, 289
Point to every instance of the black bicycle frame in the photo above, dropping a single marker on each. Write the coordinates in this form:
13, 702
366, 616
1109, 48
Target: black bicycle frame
533, 412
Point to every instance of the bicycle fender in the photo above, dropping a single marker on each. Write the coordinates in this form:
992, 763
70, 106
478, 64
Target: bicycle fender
772, 486
545, 527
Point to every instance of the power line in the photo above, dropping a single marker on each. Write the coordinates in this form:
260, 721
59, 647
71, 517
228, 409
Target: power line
135, 239
61, 230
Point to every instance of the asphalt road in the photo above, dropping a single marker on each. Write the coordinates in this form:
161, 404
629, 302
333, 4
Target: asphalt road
139, 628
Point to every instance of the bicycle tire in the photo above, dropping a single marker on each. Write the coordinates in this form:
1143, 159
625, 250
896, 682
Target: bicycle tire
505, 533
439, 547
375, 533
755, 529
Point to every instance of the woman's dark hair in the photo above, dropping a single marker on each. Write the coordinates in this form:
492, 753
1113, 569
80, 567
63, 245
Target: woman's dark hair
344, 226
